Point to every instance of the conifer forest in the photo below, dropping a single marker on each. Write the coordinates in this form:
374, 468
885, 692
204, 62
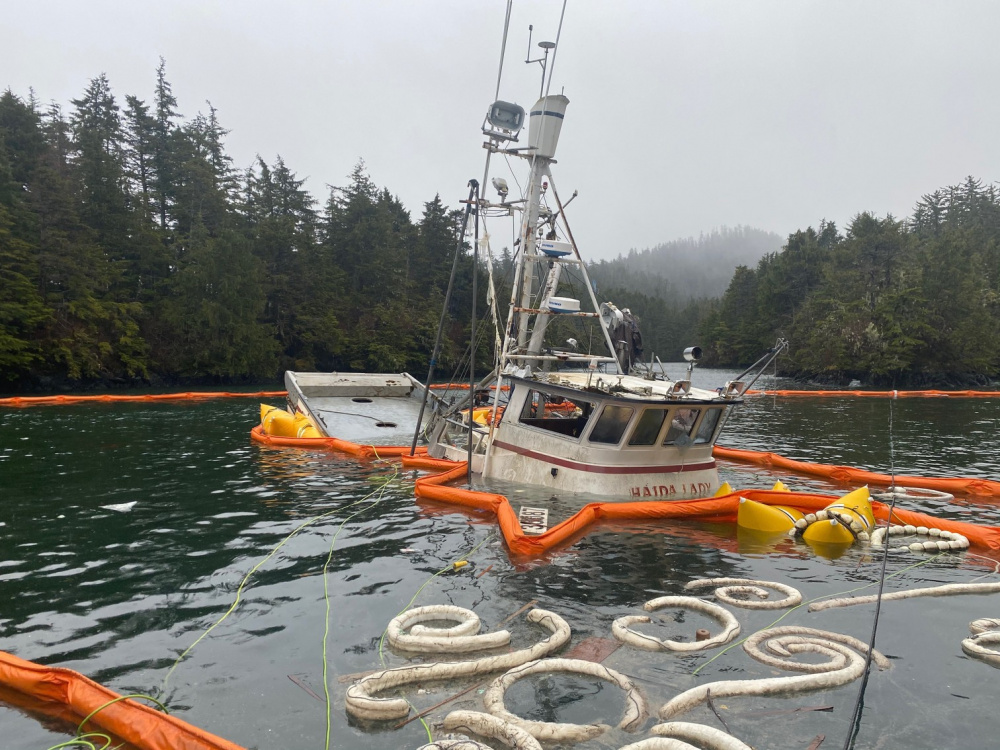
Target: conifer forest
133, 251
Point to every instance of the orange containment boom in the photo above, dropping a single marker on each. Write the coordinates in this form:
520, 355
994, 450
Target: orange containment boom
108, 398
142, 726
880, 394
724, 508
258, 435
706, 509
849, 475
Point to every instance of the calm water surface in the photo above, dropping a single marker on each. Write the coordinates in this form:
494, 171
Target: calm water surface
119, 596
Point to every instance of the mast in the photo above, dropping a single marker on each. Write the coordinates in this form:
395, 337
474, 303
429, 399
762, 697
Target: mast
527, 263
545, 125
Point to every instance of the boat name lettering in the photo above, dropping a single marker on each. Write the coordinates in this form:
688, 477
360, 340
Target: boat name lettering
695, 489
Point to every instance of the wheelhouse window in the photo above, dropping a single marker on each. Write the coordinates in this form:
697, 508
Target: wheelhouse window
647, 428
707, 427
681, 424
564, 416
611, 424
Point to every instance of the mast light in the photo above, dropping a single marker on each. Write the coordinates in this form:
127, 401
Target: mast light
505, 117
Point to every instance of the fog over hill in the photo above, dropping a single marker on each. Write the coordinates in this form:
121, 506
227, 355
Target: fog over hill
686, 269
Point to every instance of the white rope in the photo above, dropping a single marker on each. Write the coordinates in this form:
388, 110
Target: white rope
361, 703
939, 541
459, 638
946, 590
710, 737
844, 664
976, 646
737, 592
487, 725
635, 706
621, 628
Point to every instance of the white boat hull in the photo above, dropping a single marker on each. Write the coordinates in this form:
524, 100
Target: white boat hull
637, 481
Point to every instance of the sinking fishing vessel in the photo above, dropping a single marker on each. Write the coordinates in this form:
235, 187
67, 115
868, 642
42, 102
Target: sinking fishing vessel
552, 411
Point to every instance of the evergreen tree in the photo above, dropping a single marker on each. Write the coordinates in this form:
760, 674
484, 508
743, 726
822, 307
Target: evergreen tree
163, 163
23, 314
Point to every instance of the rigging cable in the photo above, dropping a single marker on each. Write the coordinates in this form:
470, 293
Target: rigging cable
496, 95
472, 333
503, 48
855, 725
473, 192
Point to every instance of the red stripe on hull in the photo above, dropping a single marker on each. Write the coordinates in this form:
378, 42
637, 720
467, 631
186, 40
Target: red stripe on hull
596, 469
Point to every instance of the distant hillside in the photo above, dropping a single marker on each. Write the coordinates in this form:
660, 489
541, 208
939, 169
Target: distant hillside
690, 268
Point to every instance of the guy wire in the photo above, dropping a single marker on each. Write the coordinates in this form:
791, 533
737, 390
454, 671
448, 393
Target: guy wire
503, 49
855, 726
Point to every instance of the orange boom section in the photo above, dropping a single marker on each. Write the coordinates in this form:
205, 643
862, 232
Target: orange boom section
258, 435
108, 398
880, 394
143, 727
725, 508
722, 508
850, 475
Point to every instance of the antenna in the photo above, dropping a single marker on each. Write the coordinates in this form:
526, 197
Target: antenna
543, 61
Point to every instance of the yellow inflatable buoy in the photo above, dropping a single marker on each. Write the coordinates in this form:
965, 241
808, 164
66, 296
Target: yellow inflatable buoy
841, 522
725, 489
779, 486
305, 428
280, 423
767, 518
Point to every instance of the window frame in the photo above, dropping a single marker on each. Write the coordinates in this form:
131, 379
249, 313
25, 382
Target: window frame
675, 414
638, 422
624, 427
718, 410
574, 426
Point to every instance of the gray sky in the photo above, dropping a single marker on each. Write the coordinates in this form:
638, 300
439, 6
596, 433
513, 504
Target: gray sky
684, 115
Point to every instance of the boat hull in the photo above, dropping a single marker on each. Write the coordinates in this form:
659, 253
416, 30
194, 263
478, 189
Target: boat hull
634, 482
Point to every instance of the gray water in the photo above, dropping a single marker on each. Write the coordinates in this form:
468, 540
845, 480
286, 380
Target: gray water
119, 596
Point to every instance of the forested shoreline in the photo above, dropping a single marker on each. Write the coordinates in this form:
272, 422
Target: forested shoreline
133, 253
905, 303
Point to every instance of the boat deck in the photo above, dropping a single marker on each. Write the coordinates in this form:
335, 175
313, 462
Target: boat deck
370, 409
377, 420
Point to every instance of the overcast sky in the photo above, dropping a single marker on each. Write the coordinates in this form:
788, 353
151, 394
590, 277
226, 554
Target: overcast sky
684, 115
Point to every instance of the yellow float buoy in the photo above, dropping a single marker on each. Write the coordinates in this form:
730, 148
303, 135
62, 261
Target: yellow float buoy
277, 421
305, 428
843, 521
724, 489
281, 423
767, 518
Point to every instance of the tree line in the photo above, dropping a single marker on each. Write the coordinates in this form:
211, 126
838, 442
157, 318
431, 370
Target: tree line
132, 250
887, 301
